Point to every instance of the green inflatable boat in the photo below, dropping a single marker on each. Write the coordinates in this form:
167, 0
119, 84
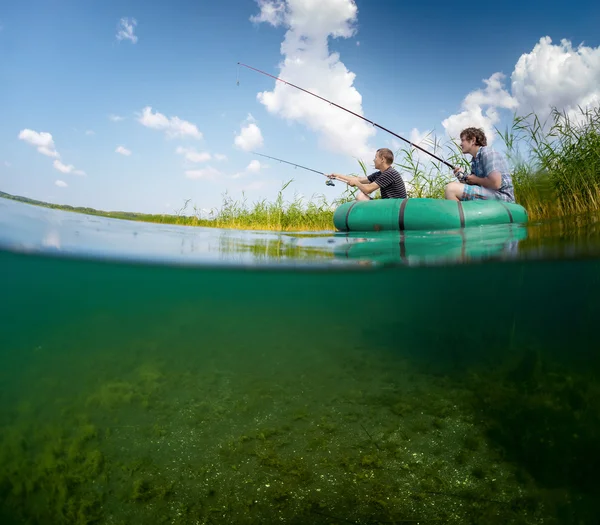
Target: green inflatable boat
425, 214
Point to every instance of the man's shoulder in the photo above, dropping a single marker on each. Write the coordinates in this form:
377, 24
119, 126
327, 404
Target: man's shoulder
489, 151
392, 171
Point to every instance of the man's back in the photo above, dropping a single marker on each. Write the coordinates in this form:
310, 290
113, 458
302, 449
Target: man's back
488, 160
390, 183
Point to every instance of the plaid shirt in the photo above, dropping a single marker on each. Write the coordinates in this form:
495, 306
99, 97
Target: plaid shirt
488, 160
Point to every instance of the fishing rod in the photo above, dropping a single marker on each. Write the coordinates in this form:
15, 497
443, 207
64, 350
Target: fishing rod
351, 112
329, 182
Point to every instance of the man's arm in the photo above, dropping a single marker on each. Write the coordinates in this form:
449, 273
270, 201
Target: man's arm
493, 181
347, 178
370, 187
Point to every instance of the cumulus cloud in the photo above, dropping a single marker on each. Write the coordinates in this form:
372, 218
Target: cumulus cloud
61, 184
126, 28
271, 11
254, 166
559, 76
249, 138
220, 157
64, 168
42, 141
172, 126
493, 97
123, 151
208, 173
90, 132
116, 118
309, 63
191, 155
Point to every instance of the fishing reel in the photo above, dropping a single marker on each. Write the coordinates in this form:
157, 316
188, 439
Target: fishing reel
329, 182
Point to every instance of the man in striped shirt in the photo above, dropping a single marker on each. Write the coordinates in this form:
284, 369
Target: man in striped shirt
490, 176
386, 179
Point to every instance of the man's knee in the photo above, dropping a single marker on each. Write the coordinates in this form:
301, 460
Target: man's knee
454, 189
360, 196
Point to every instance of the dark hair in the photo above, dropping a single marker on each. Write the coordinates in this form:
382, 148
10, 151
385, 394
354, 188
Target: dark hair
474, 133
386, 154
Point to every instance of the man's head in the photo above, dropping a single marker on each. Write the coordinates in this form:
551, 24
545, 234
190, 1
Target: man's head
471, 139
384, 158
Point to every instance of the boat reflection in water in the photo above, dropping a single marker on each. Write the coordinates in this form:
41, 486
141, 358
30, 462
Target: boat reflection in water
416, 248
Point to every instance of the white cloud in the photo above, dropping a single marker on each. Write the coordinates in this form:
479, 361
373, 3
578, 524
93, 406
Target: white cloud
494, 96
549, 76
61, 184
126, 29
208, 173
43, 141
123, 151
220, 157
557, 75
45, 145
64, 168
254, 166
191, 155
116, 118
90, 132
249, 138
271, 11
173, 126
308, 63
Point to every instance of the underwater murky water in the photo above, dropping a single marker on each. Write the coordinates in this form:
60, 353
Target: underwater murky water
159, 374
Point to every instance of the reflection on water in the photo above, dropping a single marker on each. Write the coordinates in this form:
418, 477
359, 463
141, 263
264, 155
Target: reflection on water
205, 392
31, 229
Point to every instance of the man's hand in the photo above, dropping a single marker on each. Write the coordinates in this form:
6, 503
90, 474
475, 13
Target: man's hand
351, 181
460, 174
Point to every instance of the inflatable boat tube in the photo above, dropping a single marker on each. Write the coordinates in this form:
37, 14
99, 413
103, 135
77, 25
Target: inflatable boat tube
425, 214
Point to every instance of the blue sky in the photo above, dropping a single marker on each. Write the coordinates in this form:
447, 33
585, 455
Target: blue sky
418, 67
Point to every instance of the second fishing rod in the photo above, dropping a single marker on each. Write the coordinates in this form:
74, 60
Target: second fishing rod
329, 182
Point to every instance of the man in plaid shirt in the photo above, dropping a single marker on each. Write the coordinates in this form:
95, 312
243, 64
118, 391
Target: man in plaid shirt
489, 177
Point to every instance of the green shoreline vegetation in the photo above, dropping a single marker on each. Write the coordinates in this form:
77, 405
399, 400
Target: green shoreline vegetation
560, 176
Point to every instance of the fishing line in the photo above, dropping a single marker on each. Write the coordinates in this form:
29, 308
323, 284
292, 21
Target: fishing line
351, 112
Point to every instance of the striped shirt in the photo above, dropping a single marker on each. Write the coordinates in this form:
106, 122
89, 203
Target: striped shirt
488, 160
390, 182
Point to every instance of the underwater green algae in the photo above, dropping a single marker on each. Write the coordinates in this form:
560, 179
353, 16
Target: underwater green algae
160, 395
392, 445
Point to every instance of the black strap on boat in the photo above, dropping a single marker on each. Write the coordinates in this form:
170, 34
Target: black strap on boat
507, 211
401, 214
463, 246
402, 247
461, 213
348, 213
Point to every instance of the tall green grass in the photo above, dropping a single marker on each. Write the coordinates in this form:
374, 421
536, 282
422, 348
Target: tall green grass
559, 174
280, 215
